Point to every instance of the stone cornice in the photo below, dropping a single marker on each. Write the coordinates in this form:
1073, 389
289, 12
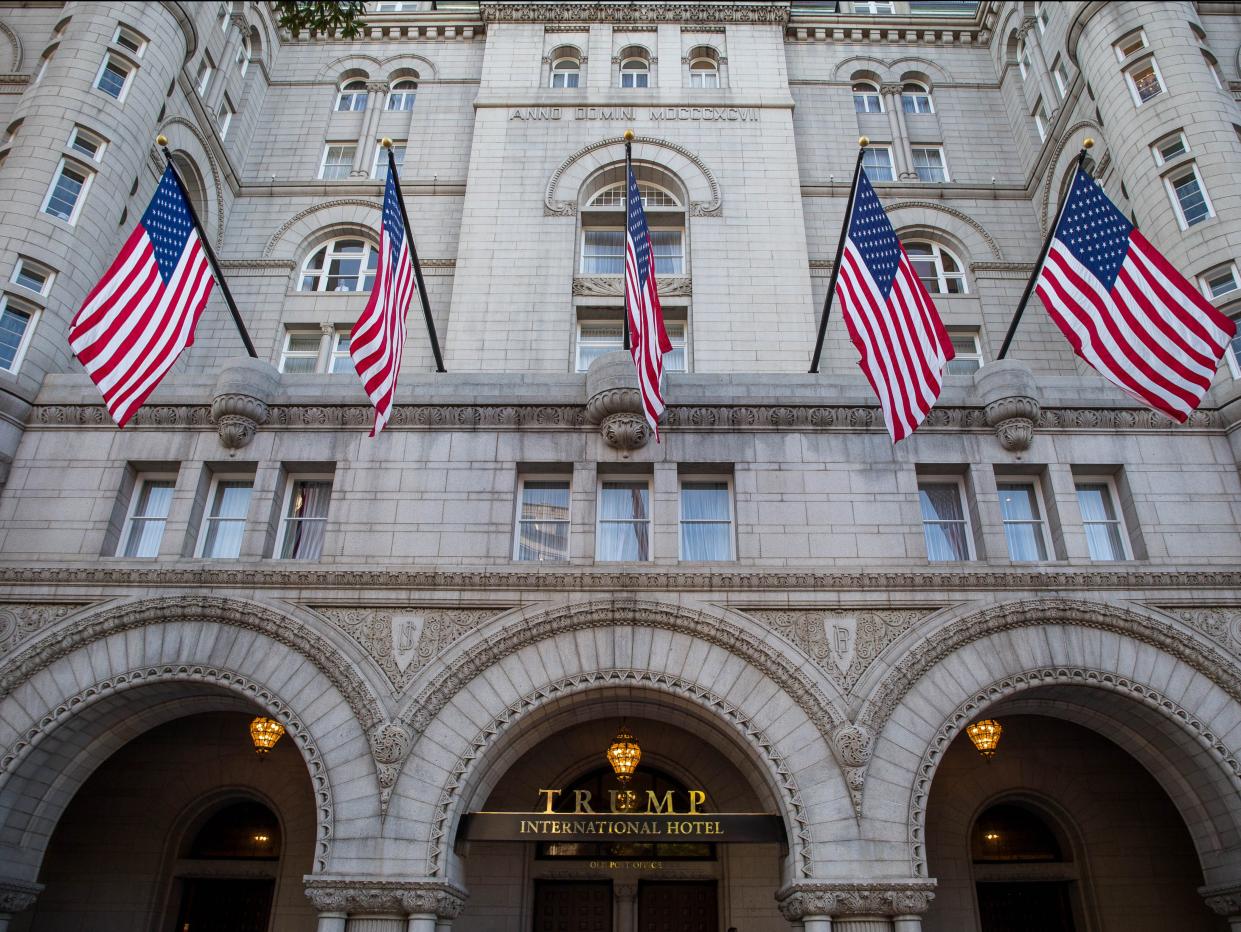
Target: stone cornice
419, 897
840, 899
633, 12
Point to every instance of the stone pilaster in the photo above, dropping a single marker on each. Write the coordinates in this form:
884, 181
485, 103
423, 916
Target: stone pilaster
901, 150
857, 906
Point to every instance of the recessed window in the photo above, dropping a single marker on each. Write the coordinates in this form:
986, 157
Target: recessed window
1042, 16
915, 98
114, 76
1219, 282
202, 80
877, 160
706, 520
866, 98
379, 169
929, 163
16, 327
129, 40
1021, 509
1189, 196
148, 516
603, 252
67, 191
1234, 350
704, 72
337, 161
224, 117
304, 518
301, 351
225, 521
339, 266
945, 522
624, 526
32, 276
339, 359
402, 95
1023, 58
1213, 67
874, 7
1131, 44
542, 531
652, 196
1060, 74
1144, 81
941, 271
635, 70
968, 352
1169, 148
566, 72
351, 97
244, 51
1104, 531
1040, 121
87, 143
46, 60
596, 337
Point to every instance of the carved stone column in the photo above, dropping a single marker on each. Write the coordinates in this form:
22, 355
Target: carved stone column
626, 906
15, 897
901, 150
856, 906
1224, 900
376, 99
239, 406
355, 905
614, 403
1007, 391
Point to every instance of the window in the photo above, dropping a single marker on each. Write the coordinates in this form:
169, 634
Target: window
877, 160
402, 95
129, 40
866, 98
224, 117
1042, 16
244, 51
341, 265
229, 501
32, 276
874, 8
352, 96
1213, 67
1104, 533
652, 196
1023, 58
1040, 120
635, 71
337, 160
1169, 148
542, 532
1219, 282
941, 272
944, 521
704, 72
87, 143
966, 346
1134, 42
304, 519
596, 337
221, 15
929, 163
45, 61
1023, 522
301, 351
114, 75
1189, 196
67, 192
339, 359
1234, 353
706, 520
669, 248
16, 327
624, 529
1060, 73
202, 80
566, 72
1144, 81
916, 99
603, 252
148, 515
379, 170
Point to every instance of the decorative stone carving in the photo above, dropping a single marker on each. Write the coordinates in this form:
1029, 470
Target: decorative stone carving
842, 899
1008, 392
390, 744
615, 403
625, 431
640, 12
854, 746
17, 895
613, 286
18, 620
1223, 900
1221, 623
240, 403
346, 895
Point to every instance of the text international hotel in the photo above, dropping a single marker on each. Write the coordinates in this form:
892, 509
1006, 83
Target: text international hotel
620, 466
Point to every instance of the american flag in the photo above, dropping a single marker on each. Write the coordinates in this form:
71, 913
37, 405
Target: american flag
142, 313
1125, 310
648, 340
891, 318
378, 338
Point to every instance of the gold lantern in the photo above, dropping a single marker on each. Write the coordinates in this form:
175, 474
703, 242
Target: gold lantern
624, 755
265, 732
986, 736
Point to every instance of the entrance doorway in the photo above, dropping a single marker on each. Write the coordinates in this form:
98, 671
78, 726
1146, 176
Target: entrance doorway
572, 906
677, 907
1025, 907
225, 906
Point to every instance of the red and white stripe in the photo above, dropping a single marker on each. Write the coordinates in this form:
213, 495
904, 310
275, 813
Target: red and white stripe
131, 328
378, 339
903, 344
1153, 335
648, 339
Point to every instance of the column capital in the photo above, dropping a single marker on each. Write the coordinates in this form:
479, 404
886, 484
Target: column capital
1223, 899
843, 898
892, 89
376, 895
377, 87
1026, 27
18, 895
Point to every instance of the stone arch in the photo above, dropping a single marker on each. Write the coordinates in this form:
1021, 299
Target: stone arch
705, 197
970, 236
930, 72
188, 141
883, 70
1062, 156
15, 48
290, 239
349, 67
422, 67
860, 68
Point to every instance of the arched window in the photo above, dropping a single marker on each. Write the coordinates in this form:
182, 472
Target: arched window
635, 68
243, 55
352, 96
704, 67
866, 98
402, 95
915, 98
941, 272
653, 196
341, 265
244, 830
566, 70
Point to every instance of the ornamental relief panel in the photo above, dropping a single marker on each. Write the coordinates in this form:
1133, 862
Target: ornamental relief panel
1220, 623
19, 620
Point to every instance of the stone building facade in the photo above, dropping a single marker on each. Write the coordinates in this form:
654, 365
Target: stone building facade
788, 612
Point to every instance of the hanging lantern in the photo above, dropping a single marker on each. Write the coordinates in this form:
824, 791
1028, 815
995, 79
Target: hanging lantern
265, 732
986, 736
624, 755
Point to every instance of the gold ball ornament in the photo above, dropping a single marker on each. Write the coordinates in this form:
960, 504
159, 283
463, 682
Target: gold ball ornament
386, 142
863, 141
1088, 143
628, 135
161, 140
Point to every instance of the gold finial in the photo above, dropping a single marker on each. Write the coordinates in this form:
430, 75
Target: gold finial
386, 142
628, 135
1088, 143
161, 140
863, 141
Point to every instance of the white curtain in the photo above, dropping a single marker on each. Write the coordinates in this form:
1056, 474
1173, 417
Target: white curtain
306, 521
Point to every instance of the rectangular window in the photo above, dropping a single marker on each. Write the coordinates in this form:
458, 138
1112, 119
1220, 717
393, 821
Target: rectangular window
596, 337
1130, 44
1169, 148
113, 77
379, 168
1104, 532
542, 532
603, 252
87, 143
706, 520
1144, 80
1040, 121
229, 502
1234, 351
224, 117
16, 327
1023, 521
304, 519
669, 249
148, 515
1219, 282
874, 7
129, 40
1043, 15
202, 80
337, 161
929, 163
968, 358
67, 191
340, 360
1189, 197
877, 161
32, 276
945, 523
624, 528
301, 351
1060, 72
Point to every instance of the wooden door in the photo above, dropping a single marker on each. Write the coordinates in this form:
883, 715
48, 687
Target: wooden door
572, 906
678, 907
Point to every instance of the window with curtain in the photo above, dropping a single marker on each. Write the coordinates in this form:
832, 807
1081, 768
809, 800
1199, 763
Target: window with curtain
542, 532
596, 337
624, 526
305, 519
148, 515
16, 325
635, 71
967, 349
877, 160
226, 518
704, 72
352, 96
866, 98
916, 99
706, 520
944, 522
1023, 521
402, 95
1104, 536
566, 72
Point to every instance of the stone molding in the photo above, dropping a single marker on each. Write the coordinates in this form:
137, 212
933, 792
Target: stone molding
497, 11
1223, 899
782, 778
612, 286
961, 215
274, 241
419, 897
19, 620
1052, 177
845, 898
17, 895
15, 49
216, 178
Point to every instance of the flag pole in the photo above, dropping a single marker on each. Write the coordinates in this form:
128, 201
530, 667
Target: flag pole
413, 254
863, 142
1087, 143
162, 142
628, 172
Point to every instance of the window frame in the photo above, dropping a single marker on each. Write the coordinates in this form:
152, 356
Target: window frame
121, 63
1109, 483
941, 274
871, 7
691, 478
139, 41
943, 163
872, 90
1024, 62
335, 353
343, 89
1041, 123
1181, 172
596, 228
140, 482
33, 314
886, 149
522, 479
202, 78
679, 340
397, 92
80, 131
1122, 55
1213, 67
1043, 530
604, 479
1205, 285
919, 90
327, 147
225, 121
957, 482
284, 524
201, 545
713, 71
49, 276
1131, 81
1157, 146
1060, 75
1233, 351
1041, 16
76, 212
402, 144
286, 353
575, 71
323, 274
244, 52
644, 71
975, 334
